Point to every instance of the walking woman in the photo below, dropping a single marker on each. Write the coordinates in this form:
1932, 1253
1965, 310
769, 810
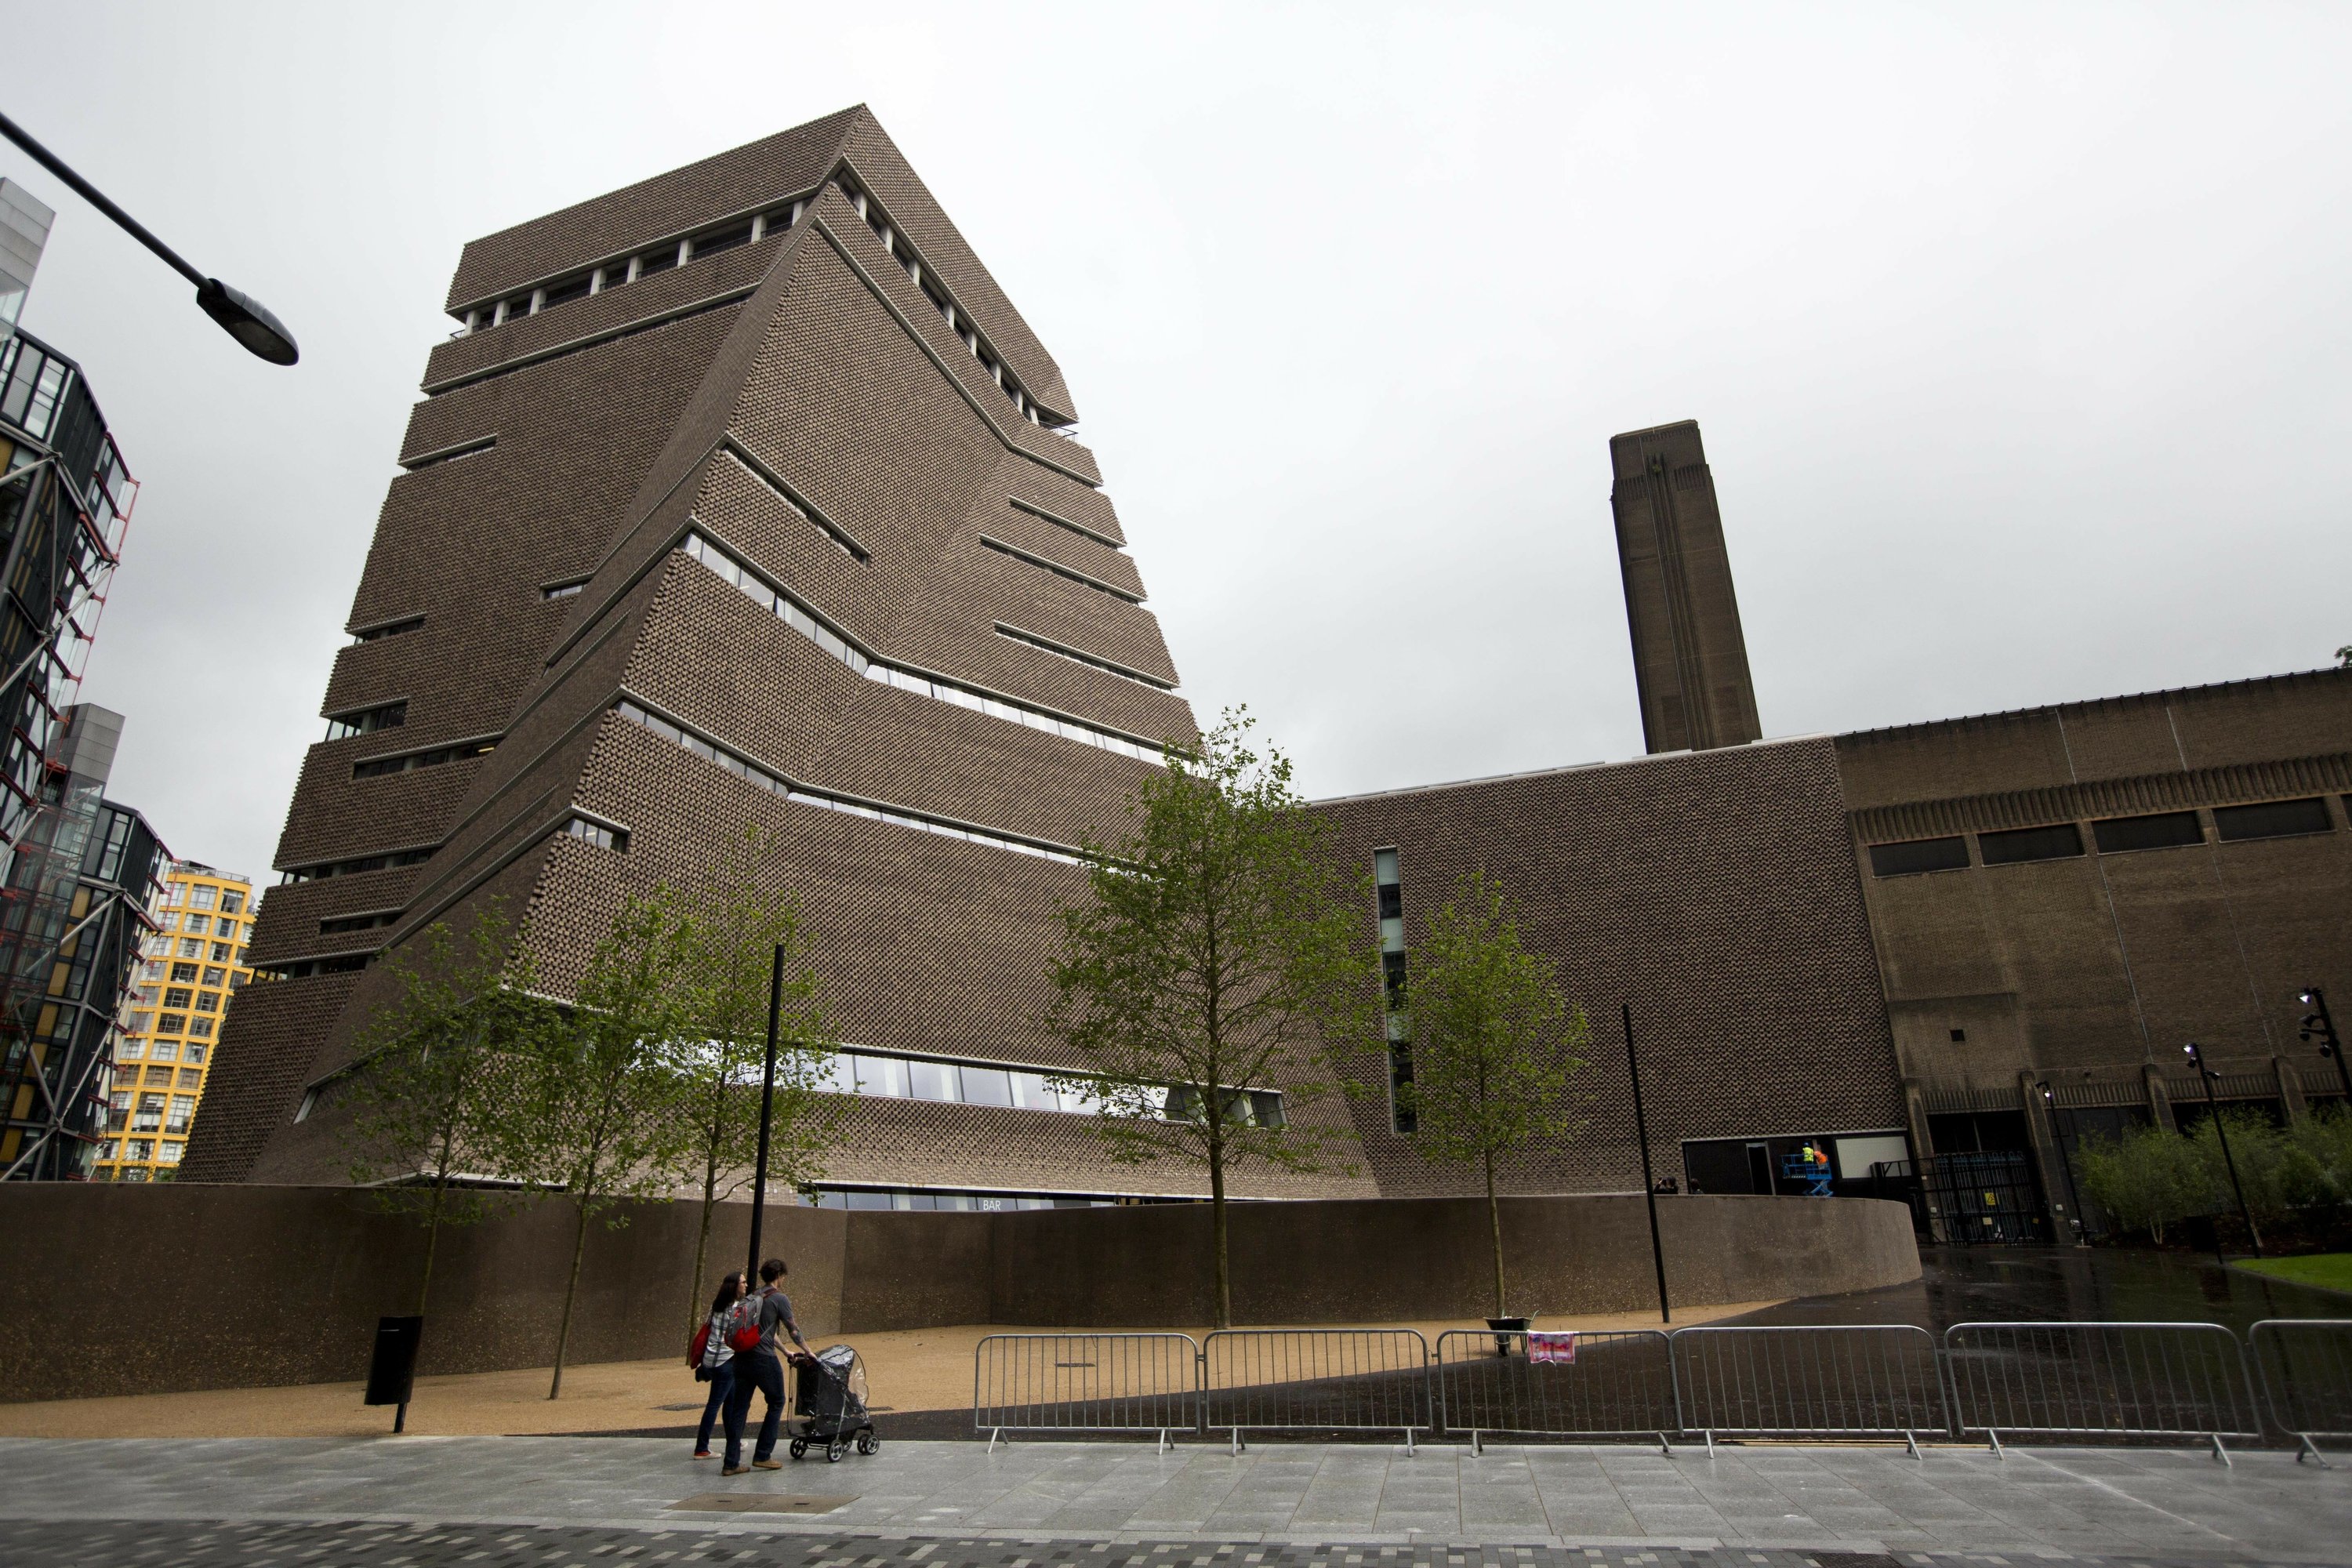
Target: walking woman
718, 1360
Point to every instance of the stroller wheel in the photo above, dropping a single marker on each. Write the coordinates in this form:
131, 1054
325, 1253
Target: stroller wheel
800, 1447
867, 1442
834, 1450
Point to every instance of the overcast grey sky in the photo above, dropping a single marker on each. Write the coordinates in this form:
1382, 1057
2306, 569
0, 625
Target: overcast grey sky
2017, 333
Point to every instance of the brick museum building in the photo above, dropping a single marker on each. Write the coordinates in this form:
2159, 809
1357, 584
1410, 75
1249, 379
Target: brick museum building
744, 497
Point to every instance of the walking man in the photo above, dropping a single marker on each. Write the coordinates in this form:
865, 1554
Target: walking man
761, 1368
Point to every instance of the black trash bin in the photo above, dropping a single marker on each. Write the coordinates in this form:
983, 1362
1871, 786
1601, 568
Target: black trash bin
391, 1370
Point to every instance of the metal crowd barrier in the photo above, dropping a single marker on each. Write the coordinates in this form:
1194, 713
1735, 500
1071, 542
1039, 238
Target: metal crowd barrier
1315, 1380
1085, 1383
1613, 1384
1839, 1380
2070, 1380
2306, 1366
2117, 1380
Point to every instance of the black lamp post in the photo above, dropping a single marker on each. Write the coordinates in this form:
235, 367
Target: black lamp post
2196, 1061
240, 315
2318, 1025
1649, 1182
767, 1112
2049, 1101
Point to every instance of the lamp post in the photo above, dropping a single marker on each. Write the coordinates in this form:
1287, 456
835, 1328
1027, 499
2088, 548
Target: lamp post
1649, 1186
2073, 1189
767, 1112
2206, 1074
240, 315
2318, 1025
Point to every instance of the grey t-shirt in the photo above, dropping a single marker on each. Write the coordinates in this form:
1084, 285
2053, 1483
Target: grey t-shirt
776, 1307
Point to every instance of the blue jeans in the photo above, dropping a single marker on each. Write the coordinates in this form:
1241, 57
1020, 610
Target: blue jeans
722, 1384
766, 1374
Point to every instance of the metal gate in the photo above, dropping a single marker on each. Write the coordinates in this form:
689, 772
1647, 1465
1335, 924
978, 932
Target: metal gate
1986, 1199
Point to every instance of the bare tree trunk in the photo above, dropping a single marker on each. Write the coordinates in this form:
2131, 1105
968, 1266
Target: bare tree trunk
1495, 1219
432, 1218
702, 1240
570, 1289
1217, 1226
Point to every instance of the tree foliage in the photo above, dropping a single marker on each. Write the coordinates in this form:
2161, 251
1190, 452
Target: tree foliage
1222, 948
434, 1088
606, 1118
1494, 1044
2149, 1178
732, 930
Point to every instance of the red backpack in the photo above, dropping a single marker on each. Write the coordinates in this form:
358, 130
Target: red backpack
694, 1351
743, 1324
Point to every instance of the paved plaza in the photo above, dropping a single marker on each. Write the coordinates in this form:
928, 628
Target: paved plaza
426, 1501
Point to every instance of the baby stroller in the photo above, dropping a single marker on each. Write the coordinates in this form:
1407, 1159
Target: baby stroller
831, 1400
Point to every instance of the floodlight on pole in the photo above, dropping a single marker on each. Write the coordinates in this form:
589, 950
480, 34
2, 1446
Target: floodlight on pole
240, 315
2320, 1026
2207, 1076
2073, 1189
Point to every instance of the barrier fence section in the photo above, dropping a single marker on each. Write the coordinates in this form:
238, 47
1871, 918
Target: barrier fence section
1841, 1380
1315, 1380
2117, 1380
2306, 1366
1085, 1383
1600, 1383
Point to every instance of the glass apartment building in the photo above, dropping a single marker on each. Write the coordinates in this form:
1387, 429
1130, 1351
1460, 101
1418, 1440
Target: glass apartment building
190, 965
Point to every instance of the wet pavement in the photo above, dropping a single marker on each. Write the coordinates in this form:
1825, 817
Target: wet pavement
2065, 1283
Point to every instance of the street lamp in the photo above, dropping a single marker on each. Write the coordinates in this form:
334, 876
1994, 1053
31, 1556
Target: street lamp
2082, 1234
2206, 1074
767, 1112
240, 315
2318, 1025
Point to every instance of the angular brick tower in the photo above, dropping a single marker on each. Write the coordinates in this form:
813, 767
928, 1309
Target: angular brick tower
743, 500
1690, 659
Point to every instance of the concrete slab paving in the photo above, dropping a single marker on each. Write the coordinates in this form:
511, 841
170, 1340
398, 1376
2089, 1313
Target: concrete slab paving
2142, 1503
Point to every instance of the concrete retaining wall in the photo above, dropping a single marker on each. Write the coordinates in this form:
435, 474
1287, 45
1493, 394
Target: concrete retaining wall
118, 1289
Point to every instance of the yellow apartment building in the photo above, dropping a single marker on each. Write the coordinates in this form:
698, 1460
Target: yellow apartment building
163, 1047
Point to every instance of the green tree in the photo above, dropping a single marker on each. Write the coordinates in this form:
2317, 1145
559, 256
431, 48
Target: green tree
2321, 1157
732, 932
432, 1089
1222, 948
607, 1122
2145, 1179
1495, 1046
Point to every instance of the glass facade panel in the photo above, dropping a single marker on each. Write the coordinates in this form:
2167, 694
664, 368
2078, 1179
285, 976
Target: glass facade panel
934, 1080
987, 1086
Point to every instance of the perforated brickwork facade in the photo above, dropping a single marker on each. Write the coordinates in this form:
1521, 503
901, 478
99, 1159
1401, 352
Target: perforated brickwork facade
829, 429
1714, 892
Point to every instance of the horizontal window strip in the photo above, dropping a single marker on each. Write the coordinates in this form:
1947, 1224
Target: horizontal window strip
369, 922
788, 608
1079, 655
390, 860
777, 784
388, 629
1021, 1085
451, 454
430, 757
776, 484
1058, 520
1058, 569
646, 259
691, 308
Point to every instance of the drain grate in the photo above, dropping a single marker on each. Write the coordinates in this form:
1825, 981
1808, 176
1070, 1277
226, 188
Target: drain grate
757, 1502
